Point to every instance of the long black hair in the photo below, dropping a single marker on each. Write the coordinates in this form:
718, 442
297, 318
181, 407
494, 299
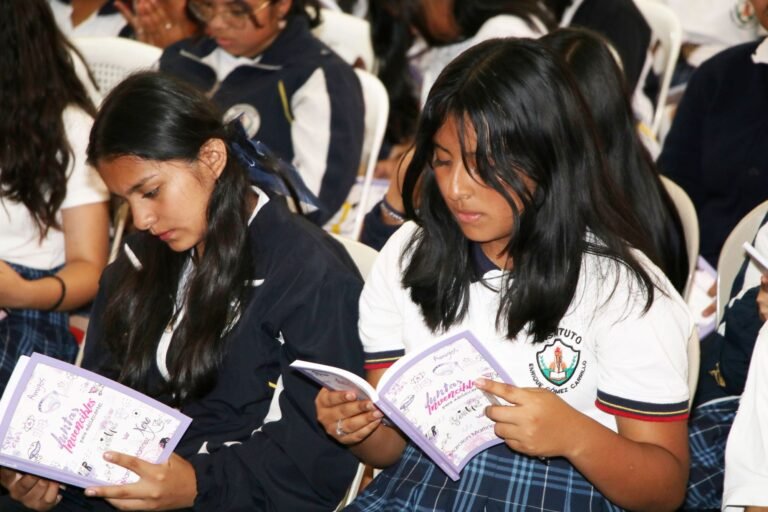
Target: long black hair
37, 82
602, 83
156, 117
530, 120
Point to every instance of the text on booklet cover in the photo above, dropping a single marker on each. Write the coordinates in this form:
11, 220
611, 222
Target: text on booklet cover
58, 420
431, 396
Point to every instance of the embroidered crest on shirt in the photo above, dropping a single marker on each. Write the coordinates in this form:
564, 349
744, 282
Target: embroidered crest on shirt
558, 361
742, 13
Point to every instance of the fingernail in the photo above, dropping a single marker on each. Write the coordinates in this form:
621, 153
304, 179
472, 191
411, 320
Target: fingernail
108, 456
480, 382
90, 492
377, 414
349, 396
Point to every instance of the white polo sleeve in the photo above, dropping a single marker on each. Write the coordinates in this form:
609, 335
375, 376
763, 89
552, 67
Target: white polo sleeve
643, 370
746, 453
84, 185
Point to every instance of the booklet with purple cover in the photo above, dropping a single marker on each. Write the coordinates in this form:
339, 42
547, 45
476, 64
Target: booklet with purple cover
57, 420
430, 395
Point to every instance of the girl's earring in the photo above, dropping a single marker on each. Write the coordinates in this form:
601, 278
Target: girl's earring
281, 24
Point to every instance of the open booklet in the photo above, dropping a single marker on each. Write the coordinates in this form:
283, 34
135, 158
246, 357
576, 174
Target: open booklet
431, 397
57, 420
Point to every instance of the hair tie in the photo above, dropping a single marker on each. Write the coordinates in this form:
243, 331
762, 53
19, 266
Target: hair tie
61, 295
268, 171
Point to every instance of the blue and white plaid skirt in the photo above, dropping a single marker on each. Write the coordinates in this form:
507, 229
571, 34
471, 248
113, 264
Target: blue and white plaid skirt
497, 479
708, 430
24, 331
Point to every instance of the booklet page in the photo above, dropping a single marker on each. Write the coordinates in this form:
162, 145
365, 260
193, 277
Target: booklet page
436, 392
65, 420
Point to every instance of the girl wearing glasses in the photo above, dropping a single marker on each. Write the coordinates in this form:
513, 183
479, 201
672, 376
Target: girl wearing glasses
260, 62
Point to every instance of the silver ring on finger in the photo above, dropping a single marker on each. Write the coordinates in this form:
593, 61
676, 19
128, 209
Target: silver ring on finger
340, 431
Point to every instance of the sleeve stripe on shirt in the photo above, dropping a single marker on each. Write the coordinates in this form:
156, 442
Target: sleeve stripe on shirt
641, 410
378, 360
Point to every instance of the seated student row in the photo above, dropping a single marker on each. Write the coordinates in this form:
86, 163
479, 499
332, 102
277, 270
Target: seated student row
516, 205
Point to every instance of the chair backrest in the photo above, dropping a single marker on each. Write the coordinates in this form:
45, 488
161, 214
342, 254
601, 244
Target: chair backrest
694, 356
732, 254
119, 221
347, 35
111, 59
666, 27
687, 213
361, 254
376, 114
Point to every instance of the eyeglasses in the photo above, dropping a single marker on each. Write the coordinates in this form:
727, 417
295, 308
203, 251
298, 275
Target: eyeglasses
235, 14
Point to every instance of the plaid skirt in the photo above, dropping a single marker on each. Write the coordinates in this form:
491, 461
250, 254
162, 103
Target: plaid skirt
708, 430
24, 331
497, 479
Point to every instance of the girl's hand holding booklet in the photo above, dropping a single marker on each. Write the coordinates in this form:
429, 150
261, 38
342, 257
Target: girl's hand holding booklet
57, 420
430, 395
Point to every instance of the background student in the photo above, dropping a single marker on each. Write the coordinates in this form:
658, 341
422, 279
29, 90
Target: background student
261, 62
602, 83
53, 206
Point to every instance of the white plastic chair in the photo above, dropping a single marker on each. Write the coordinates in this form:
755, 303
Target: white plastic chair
363, 256
732, 254
347, 35
690, 221
376, 115
666, 27
349, 220
111, 59
694, 356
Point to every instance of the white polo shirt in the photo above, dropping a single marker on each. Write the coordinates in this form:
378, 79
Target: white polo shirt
19, 236
746, 453
607, 358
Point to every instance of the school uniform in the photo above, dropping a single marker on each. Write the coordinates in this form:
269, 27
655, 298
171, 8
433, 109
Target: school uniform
254, 440
714, 149
725, 362
619, 362
298, 97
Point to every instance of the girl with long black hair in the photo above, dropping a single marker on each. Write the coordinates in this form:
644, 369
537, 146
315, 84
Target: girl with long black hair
207, 305
522, 237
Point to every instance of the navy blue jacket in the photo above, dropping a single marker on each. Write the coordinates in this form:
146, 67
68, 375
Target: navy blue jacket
263, 92
715, 149
307, 308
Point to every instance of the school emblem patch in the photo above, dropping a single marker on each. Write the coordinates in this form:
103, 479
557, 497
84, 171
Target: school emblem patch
558, 361
742, 13
249, 117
